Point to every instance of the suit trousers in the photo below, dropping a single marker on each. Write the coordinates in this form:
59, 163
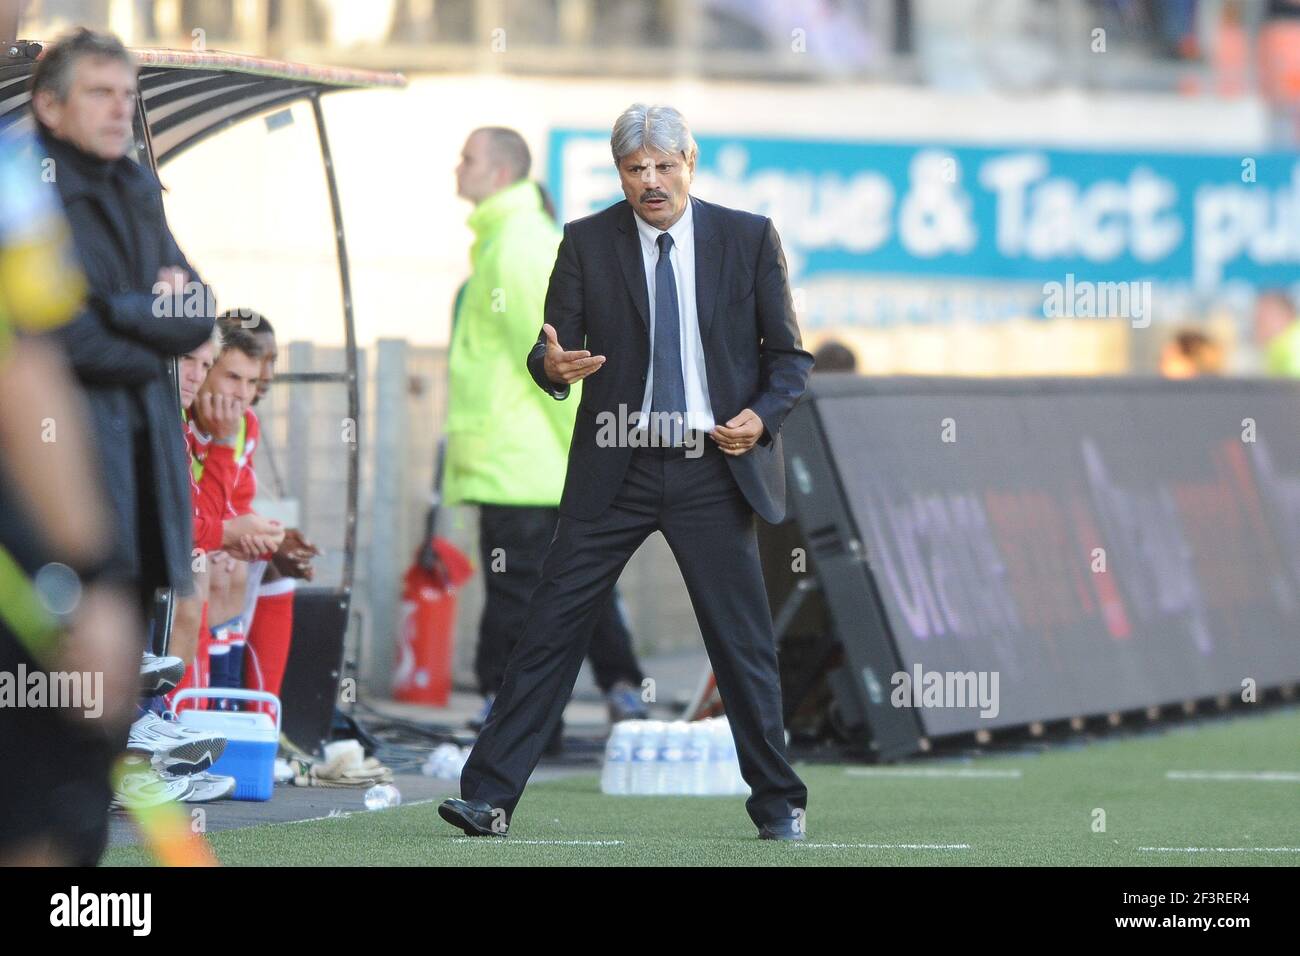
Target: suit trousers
710, 528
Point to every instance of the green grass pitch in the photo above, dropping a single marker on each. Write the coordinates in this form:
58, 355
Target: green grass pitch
1032, 809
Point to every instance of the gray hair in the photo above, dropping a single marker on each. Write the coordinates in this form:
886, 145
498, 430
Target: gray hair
651, 127
54, 70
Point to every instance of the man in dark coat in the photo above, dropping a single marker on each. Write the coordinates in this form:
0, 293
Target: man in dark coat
145, 305
677, 316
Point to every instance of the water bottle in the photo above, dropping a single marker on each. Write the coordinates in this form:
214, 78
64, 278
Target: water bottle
722, 754
645, 757
695, 766
618, 758
444, 762
432, 766
672, 758
382, 796
735, 781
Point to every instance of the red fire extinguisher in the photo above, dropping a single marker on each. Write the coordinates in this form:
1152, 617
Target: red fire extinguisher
425, 640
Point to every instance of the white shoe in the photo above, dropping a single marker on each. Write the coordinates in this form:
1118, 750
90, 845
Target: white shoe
175, 749
159, 675
143, 788
206, 787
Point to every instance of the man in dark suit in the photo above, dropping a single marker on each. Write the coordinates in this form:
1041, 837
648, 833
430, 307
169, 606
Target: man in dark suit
679, 315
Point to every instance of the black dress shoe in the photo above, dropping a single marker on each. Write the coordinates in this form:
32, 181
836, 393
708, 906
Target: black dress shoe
475, 817
785, 828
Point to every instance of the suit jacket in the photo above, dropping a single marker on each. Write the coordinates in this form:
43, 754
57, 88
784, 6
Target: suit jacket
753, 356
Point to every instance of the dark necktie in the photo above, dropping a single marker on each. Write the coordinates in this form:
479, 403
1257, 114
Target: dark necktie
669, 398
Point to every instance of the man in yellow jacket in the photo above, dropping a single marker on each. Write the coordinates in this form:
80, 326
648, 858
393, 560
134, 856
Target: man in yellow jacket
507, 441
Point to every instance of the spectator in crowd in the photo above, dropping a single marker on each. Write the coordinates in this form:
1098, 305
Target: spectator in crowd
1190, 354
506, 441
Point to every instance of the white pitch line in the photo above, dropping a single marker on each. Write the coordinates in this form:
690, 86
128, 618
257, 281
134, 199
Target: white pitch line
338, 815
464, 839
1219, 849
884, 846
958, 773
1270, 776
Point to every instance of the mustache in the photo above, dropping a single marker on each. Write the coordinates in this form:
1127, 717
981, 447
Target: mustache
653, 194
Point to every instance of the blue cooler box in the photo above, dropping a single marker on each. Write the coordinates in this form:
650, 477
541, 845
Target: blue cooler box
252, 739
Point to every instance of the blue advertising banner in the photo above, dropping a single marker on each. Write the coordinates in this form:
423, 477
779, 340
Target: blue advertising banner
851, 210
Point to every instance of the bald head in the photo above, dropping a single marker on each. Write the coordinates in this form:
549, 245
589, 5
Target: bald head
493, 158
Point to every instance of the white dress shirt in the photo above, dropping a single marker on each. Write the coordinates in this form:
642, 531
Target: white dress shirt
699, 411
